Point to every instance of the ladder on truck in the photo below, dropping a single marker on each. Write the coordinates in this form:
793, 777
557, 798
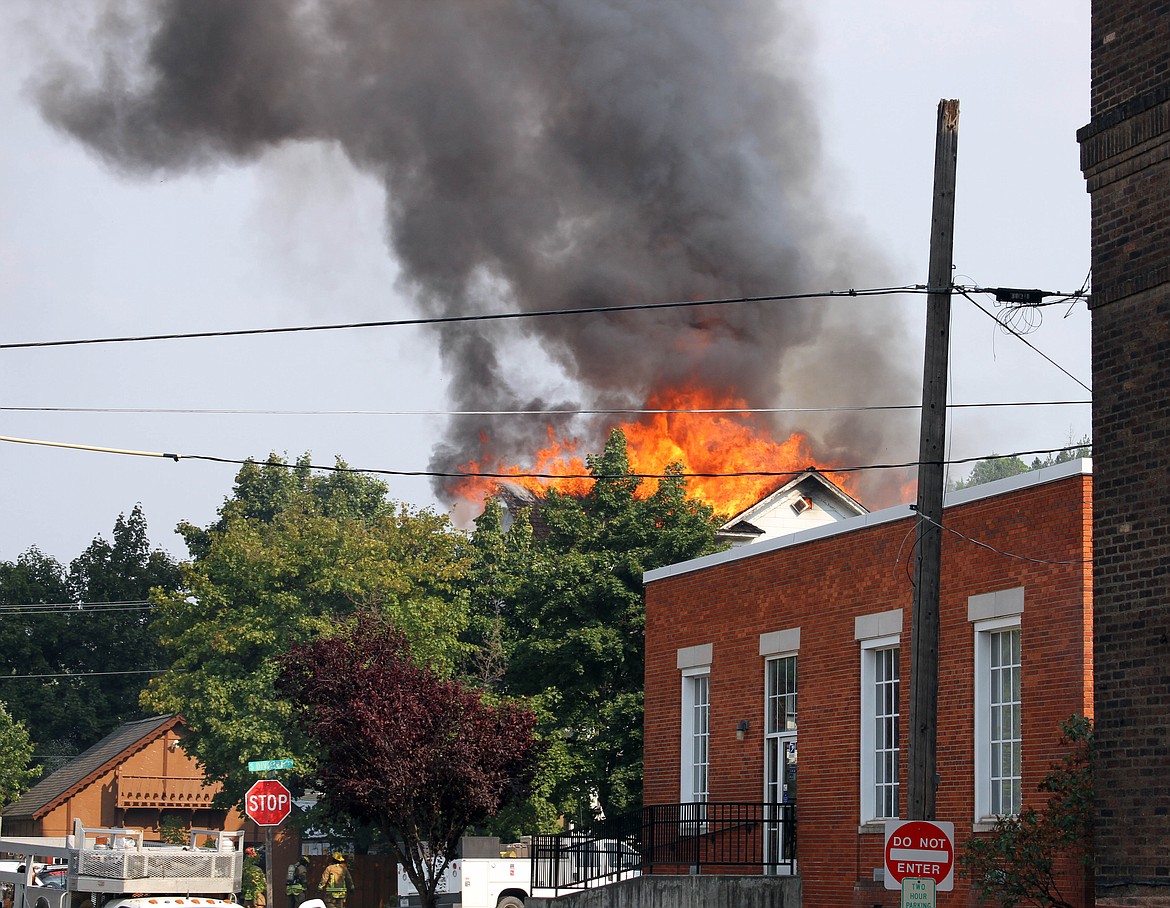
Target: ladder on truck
116, 861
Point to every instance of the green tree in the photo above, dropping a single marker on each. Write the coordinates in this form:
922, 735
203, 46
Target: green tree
403, 747
124, 570
292, 555
16, 750
567, 600
33, 643
76, 700
994, 467
1033, 858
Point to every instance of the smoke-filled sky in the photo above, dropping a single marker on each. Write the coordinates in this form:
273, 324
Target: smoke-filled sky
190, 166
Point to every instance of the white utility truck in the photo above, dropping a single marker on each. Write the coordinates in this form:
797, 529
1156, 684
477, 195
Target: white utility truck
114, 868
490, 875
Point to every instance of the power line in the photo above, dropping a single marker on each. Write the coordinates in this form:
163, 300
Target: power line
1023, 339
998, 551
483, 317
443, 474
35, 608
567, 411
140, 671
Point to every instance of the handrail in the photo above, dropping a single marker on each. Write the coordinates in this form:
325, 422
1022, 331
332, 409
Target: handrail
749, 837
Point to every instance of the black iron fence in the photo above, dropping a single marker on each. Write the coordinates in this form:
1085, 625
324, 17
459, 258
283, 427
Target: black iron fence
711, 837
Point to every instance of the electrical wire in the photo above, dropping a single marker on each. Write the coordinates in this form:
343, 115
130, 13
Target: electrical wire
139, 671
575, 411
442, 474
1024, 340
64, 608
482, 317
998, 551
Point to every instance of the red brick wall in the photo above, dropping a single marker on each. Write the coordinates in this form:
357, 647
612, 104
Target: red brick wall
821, 586
1125, 154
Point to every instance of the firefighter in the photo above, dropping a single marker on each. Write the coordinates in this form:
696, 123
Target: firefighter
336, 882
298, 881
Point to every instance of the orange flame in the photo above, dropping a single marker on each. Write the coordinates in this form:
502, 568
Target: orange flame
690, 435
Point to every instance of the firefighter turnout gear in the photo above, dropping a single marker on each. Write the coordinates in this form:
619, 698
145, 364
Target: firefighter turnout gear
336, 882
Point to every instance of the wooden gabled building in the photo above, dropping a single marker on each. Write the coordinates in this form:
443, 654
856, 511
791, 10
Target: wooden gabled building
137, 776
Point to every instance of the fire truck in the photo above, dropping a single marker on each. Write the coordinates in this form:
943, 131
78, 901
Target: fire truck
115, 868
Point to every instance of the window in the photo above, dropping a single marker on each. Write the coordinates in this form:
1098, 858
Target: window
696, 737
780, 758
694, 664
1004, 733
880, 729
998, 703
880, 770
781, 696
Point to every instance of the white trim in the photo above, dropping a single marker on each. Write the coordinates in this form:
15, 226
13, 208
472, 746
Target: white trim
780, 643
901, 512
982, 712
687, 733
867, 777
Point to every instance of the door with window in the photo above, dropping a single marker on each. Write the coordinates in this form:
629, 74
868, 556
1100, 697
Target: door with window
780, 754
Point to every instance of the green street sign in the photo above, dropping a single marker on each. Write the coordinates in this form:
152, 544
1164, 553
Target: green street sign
266, 765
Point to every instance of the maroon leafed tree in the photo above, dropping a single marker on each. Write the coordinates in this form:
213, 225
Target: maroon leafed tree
402, 748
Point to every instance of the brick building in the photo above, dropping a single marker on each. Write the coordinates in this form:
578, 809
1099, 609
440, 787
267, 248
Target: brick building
1125, 155
735, 640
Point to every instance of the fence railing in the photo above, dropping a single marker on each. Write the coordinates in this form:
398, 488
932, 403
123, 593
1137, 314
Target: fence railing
718, 836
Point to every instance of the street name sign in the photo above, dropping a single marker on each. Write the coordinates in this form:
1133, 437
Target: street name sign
268, 765
920, 849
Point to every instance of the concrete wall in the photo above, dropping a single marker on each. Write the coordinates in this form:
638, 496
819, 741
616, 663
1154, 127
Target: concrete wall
685, 892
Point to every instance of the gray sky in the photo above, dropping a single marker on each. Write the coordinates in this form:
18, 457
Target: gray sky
297, 236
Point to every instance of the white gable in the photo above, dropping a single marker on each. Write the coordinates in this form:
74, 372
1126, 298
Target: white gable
807, 501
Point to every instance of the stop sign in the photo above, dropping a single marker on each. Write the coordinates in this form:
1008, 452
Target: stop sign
920, 849
268, 803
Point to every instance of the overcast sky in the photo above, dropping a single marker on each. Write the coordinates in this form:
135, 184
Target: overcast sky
298, 237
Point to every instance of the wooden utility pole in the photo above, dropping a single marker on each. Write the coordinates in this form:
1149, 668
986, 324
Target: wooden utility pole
923, 736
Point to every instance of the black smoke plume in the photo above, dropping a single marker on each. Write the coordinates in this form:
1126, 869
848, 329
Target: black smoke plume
538, 154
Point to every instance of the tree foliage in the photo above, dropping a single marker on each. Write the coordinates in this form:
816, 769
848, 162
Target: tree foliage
16, 750
81, 647
1032, 858
293, 554
402, 747
562, 591
994, 467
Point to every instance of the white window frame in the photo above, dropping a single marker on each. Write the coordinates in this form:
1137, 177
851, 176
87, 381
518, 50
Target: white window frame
990, 614
779, 845
879, 632
694, 681
870, 705
694, 664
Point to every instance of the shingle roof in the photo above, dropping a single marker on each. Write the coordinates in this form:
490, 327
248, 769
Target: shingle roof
111, 749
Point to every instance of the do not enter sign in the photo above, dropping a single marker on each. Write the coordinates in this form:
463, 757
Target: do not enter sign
268, 803
920, 849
